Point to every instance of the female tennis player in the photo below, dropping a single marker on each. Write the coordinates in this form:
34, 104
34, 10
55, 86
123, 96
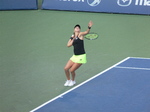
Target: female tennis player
79, 57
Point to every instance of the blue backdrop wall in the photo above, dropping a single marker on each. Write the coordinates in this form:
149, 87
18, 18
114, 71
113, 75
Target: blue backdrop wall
18, 4
111, 6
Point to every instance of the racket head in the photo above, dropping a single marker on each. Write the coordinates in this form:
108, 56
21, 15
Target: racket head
91, 36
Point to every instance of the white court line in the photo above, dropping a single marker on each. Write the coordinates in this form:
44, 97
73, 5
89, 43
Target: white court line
61, 95
139, 58
132, 68
137, 68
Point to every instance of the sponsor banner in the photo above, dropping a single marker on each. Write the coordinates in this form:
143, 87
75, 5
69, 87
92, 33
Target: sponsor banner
110, 6
18, 4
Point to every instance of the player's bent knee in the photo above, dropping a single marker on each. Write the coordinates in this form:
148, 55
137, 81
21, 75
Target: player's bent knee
72, 70
66, 69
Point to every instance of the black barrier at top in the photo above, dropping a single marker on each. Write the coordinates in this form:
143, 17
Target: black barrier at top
110, 6
18, 4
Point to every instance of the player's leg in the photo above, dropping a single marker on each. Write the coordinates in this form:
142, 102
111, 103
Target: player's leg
67, 67
74, 67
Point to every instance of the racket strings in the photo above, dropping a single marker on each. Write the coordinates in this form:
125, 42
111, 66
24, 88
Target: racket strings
91, 36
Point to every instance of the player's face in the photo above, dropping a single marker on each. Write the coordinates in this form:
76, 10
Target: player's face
76, 29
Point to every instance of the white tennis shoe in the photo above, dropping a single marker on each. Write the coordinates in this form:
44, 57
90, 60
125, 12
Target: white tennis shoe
72, 83
69, 83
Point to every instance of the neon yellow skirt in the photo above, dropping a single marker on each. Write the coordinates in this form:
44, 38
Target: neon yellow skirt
79, 58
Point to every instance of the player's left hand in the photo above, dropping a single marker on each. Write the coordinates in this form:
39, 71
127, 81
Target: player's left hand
90, 24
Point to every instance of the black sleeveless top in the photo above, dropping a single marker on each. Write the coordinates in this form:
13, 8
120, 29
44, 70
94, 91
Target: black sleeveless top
78, 46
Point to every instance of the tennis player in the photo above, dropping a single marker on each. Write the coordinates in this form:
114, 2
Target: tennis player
79, 57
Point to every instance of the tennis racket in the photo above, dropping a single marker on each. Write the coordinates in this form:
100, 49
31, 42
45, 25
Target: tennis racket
91, 36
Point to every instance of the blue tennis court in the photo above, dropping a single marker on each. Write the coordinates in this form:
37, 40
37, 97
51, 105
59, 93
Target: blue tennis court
124, 87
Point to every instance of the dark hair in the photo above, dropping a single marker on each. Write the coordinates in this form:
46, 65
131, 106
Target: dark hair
77, 26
